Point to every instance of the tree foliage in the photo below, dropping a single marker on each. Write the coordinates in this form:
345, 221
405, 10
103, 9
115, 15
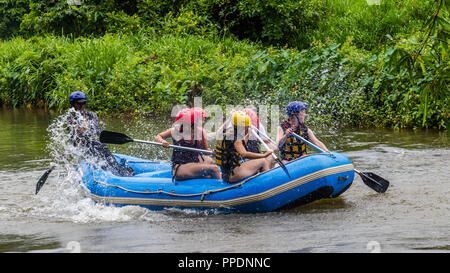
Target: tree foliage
383, 65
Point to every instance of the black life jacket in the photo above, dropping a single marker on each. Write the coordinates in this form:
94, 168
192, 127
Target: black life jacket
252, 145
293, 147
183, 156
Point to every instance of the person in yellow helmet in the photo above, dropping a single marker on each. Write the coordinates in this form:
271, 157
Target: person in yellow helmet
232, 155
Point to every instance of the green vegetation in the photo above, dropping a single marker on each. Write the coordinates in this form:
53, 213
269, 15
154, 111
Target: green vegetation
353, 63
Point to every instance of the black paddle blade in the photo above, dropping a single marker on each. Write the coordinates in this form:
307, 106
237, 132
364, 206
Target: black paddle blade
42, 180
284, 167
114, 138
374, 181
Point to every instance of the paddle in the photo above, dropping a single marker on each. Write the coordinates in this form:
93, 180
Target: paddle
265, 136
119, 138
43, 178
273, 154
310, 144
372, 180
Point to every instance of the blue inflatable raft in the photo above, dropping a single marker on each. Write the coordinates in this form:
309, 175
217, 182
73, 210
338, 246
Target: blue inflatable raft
313, 177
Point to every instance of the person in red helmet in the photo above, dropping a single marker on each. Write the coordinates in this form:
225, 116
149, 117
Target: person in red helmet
188, 131
252, 142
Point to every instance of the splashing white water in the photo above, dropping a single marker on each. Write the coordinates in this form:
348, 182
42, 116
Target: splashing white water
64, 199
66, 202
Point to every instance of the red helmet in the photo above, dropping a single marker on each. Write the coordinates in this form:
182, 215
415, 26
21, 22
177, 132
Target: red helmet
197, 113
187, 115
253, 116
183, 116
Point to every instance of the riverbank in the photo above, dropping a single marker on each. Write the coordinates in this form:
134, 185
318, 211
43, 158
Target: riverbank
127, 73
344, 76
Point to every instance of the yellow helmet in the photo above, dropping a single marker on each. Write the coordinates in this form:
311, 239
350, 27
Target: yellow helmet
240, 118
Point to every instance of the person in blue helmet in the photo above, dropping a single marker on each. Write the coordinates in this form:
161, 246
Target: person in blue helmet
289, 146
84, 132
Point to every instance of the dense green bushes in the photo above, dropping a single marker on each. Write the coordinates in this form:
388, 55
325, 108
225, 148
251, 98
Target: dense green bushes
121, 72
151, 73
11, 13
273, 22
147, 55
371, 26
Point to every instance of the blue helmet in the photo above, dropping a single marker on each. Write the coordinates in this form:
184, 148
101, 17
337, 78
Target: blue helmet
295, 107
77, 96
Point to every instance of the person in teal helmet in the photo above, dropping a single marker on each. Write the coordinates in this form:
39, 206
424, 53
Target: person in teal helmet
84, 133
289, 146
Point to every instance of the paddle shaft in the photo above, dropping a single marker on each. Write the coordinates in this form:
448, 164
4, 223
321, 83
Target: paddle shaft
267, 148
363, 175
297, 136
318, 149
175, 146
381, 183
265, 136
315, 147
310, 144
263, 143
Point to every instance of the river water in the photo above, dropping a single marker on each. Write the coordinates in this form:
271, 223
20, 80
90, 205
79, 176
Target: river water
412, 216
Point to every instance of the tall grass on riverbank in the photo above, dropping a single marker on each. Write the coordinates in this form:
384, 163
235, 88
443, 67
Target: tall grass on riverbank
379, 65
150, 73
121, 72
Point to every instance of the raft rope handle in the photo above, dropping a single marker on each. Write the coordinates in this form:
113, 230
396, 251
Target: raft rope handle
203, 194
176, 194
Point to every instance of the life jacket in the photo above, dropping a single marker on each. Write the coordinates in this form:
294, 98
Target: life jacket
227, 158
182, 156
253, 146
293, 147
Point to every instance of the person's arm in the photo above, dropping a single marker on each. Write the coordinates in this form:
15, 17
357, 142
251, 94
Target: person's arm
77, 132
246, 154
162, 136
281, 135
316, 141
247, 136
270, 145
77, 123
